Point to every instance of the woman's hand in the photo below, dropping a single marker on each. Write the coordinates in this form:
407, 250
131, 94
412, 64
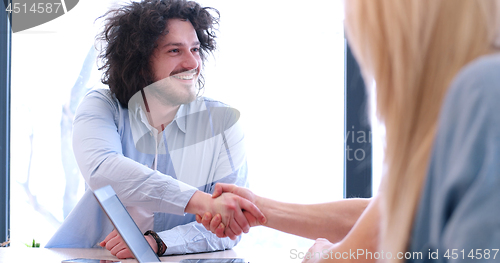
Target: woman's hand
232, 210
216, 224
321, 251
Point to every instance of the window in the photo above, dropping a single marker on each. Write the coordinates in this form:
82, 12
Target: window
52, 68
280, 63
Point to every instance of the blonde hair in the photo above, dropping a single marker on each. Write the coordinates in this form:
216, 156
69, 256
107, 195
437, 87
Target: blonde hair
413, 49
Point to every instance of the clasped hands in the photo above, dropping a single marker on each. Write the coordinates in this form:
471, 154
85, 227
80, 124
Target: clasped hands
248, 216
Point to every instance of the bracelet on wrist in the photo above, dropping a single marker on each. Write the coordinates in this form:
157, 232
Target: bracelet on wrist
161, 246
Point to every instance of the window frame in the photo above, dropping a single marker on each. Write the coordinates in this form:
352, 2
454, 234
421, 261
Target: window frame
357, 174
5, 67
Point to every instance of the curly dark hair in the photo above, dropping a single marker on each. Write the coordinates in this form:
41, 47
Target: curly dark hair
131, 33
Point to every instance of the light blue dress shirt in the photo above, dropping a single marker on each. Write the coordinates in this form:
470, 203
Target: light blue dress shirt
113, 145
459, 209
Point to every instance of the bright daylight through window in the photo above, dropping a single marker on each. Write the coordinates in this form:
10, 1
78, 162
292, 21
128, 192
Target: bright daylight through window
280, 63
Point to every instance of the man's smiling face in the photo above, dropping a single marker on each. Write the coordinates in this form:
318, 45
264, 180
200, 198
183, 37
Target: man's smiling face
176, 64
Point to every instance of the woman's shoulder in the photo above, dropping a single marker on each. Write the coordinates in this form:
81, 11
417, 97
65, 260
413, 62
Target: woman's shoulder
483, 63
470, 107
481, 75
474, 90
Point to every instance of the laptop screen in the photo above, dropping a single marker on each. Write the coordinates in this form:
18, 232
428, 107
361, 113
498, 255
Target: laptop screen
125, 225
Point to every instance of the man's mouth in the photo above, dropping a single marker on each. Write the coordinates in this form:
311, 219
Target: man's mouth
186, 75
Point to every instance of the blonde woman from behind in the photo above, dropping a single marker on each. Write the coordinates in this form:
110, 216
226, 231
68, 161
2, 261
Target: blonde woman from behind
415, 50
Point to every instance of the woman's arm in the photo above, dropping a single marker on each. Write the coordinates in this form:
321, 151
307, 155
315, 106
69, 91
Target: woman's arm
357, 245
328, 220
331, 220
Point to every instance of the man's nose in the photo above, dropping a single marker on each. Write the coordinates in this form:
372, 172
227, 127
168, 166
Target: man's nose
190, 61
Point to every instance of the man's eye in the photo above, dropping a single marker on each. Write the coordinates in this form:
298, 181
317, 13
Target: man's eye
173, 51
196, 49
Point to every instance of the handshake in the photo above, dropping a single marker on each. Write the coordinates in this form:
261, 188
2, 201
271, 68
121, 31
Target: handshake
231, 211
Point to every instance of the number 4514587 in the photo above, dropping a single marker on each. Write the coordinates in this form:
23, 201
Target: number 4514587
41, 8
472, 254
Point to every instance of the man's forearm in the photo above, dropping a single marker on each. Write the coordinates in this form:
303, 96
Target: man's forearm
193, 238
329, 220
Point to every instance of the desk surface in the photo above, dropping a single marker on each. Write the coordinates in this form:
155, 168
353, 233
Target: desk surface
56, 255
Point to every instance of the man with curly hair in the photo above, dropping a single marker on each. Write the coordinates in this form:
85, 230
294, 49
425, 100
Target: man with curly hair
153, 139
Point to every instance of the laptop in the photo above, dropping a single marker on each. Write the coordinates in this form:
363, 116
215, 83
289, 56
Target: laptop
131, 234
125, 225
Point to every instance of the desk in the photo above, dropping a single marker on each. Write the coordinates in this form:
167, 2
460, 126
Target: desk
56, 255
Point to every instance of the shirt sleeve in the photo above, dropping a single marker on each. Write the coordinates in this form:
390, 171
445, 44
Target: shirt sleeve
194, 237
98, 151
232, 169
458, 215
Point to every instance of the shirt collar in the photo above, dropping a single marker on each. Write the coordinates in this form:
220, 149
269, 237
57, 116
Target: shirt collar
180, 118
196, 106
137, 112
